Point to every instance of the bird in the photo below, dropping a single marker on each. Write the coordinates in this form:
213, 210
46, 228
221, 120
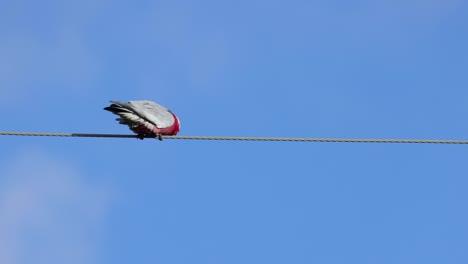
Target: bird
146, 118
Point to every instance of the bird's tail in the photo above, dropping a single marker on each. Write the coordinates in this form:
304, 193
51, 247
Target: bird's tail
126, 112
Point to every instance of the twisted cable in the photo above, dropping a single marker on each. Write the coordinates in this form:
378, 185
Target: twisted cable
225, 138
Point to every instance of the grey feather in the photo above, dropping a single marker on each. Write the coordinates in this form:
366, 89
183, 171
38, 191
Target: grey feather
148, 110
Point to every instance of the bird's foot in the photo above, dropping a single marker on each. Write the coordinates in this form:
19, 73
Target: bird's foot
141, 136
159, 136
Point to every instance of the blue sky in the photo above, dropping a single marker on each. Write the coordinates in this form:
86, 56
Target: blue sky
358, 69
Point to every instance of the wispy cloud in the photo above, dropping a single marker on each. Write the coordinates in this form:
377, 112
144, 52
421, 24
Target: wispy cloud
48, 213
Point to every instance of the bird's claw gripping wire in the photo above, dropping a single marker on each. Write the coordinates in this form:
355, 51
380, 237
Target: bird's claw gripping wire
143, 136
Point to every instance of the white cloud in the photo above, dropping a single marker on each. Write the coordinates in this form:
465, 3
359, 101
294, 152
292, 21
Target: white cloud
48, 213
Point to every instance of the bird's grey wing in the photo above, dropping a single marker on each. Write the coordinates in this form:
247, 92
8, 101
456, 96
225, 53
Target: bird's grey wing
153, 112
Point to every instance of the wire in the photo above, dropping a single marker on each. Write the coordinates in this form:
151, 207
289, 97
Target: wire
337, 140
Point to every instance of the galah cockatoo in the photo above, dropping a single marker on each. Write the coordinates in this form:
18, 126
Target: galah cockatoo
146, 118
